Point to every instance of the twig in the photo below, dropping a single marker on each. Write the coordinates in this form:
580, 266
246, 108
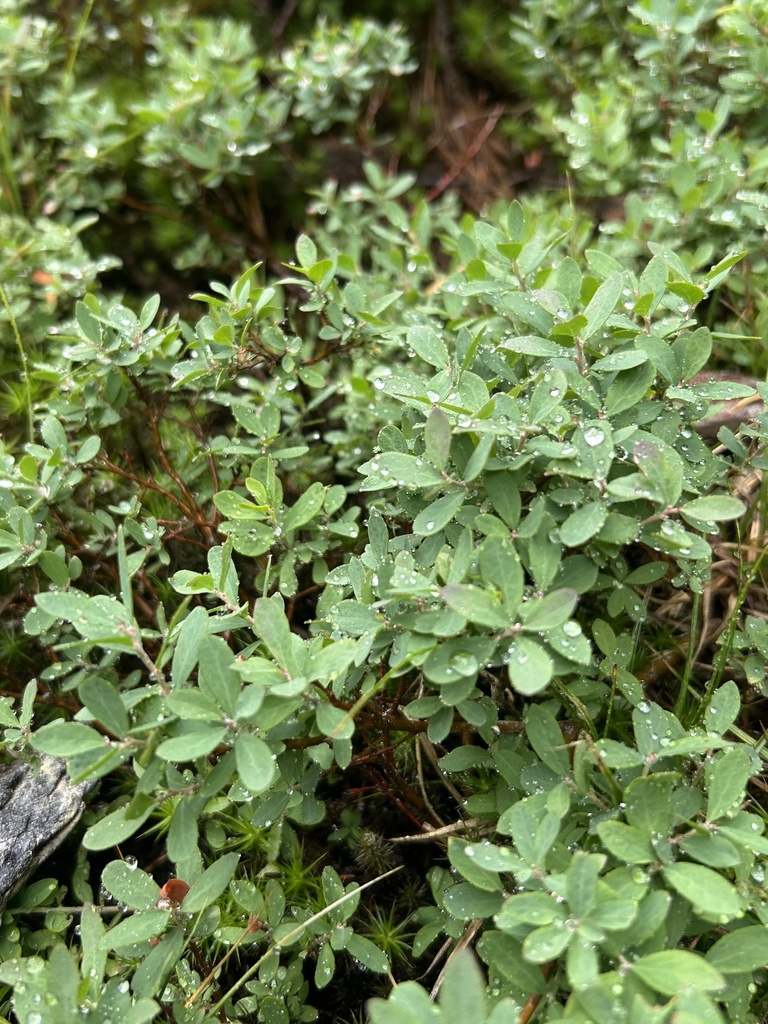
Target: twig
482, 827
429, 750
468, 155
469, 933
422, 785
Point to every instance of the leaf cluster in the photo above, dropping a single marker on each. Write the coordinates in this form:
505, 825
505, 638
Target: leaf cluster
365, 555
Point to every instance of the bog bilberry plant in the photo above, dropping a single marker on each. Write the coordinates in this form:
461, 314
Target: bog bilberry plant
375, 592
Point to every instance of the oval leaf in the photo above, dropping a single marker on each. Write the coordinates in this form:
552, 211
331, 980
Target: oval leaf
716, 508
740, 952
255, 763
130, 885
529, 666
211, 884
671, 970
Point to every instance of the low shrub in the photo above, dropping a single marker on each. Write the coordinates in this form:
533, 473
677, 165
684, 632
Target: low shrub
378, 596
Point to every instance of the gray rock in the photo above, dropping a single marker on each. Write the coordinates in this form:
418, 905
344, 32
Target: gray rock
39, 806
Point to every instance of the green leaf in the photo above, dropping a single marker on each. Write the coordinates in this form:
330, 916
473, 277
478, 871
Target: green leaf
96, 618
466, 901
65, 739
581, 883
320, 269
583, 524
211, 884
602, 304
713, 850
187, 582
569, 279
662, 468
368, 954
181, 842
547, 395
655, 728
262, 672
569, 328
306, 508
149, 311
114, 828
434, 517
462, 995
88, 323
569, 642
103, 701
546, 738
504, 953
130, 885
582, 963
529, 345
271, 626
547, 943
126, 590
505, 497
523, 307
396, 469
648, 804
500, 565
617, 755
670, 971
355, 618
330, 662
627, 843
529, 667
476, 605
306, 251
723, 709
334, 722
671, 539
255, 763
616, 361
62, 978
197, 740
536, 908
717, 508
462, 858
477, 461
139, 928
707, 891
727, 778
437, 438
7, 717
548, 612
696, 350
494, 858
325, 967
741, 951
193, 705
92, 931
720, 269
217, 677
408, 1003
378, 536
612, 915
628, 388
193, 630
54, 567
156, 967
690, 293
427, 344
